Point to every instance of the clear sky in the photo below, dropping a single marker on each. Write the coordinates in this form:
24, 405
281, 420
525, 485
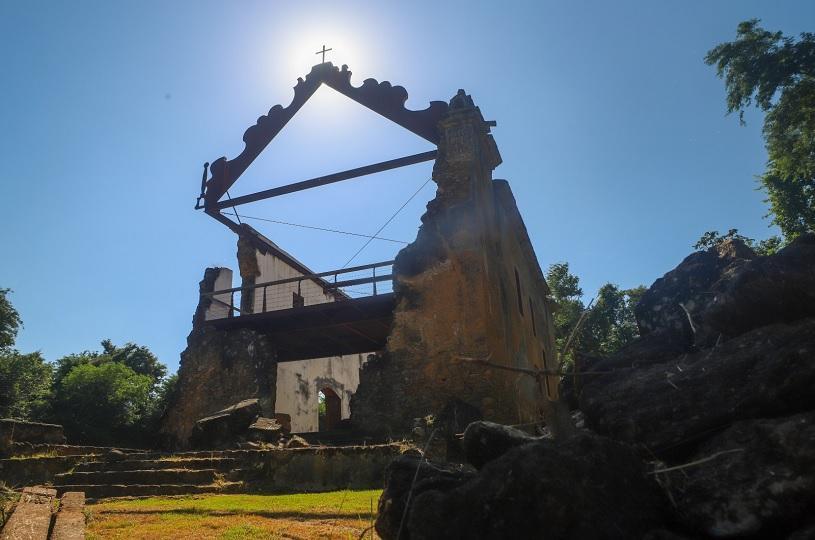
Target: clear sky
612, 131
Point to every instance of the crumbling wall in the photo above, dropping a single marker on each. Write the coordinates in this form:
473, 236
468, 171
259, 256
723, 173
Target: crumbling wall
299, 382
218, 368
469, 287
260, 263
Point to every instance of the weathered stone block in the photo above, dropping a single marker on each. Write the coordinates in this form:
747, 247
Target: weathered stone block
31, 519
12, 431
264, 430
227, 427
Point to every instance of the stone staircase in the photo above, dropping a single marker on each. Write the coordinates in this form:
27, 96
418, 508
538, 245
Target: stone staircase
107, 472
148, 473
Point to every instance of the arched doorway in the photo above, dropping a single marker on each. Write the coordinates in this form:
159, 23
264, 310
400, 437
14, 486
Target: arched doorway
329, 409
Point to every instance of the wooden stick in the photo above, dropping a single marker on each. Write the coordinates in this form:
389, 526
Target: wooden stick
697, 462
527, 371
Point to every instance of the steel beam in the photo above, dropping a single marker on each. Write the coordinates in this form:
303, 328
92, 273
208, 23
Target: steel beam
325, 180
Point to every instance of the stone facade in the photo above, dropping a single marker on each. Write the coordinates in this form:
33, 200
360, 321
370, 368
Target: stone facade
470, 286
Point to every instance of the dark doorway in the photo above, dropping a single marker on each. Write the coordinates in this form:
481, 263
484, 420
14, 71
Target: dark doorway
330, 410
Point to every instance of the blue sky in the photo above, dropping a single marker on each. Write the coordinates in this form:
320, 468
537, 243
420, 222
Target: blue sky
611, 128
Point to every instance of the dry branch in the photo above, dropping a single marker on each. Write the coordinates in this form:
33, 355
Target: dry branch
537, 373
697, 462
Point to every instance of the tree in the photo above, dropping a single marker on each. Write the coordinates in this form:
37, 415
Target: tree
131, 388
25, 379
567, 294
137, 357
10, 321
104, 404
25, 385
609, 324
776, 73
764, 247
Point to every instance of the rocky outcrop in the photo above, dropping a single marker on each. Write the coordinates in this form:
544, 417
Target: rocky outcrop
583, 487
714, 404
720, 387
486, 441
766, 372
761, 478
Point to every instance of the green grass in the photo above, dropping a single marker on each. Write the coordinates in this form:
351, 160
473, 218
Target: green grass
351, 503
339, 514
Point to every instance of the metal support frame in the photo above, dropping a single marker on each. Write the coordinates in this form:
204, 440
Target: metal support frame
381, 97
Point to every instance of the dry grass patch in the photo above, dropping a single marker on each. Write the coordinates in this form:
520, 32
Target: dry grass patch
339, 514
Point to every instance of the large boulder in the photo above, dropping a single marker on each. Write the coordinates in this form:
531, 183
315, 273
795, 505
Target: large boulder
727, 290
486, 441
768, 371
225, 428
765, 290
755, 478
583, 487
406, 477
674, 303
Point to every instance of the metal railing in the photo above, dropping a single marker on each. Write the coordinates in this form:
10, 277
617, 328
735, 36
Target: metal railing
306, 290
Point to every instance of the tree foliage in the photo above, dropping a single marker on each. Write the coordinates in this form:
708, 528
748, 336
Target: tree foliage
116, 394
25, 385
764, 247
104, 404
609, 324
113, 396
776, 73
10, 321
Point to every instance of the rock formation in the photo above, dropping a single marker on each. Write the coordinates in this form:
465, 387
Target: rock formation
704, 427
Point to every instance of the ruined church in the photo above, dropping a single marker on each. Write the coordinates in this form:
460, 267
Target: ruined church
468, 287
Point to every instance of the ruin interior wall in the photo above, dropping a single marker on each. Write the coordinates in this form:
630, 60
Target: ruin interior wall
458, 298
221, 367
259, 263
299, 382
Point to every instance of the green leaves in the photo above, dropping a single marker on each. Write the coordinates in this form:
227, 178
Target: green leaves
609, 325
764, 247
103, 403
10, 320
25, 385
776, 73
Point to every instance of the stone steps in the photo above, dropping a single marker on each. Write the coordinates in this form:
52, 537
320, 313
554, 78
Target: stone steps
105, 491
21, 449
218, 463
146, 476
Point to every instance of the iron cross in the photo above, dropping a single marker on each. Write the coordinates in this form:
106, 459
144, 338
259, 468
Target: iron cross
323, 52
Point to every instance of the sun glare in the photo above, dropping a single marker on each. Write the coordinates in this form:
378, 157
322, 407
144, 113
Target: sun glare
298, 51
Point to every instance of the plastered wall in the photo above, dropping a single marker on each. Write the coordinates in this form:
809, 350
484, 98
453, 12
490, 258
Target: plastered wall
298, 384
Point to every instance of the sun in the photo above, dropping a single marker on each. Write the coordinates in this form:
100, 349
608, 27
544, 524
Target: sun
299, 51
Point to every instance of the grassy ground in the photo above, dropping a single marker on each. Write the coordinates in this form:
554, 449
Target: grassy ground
339, 514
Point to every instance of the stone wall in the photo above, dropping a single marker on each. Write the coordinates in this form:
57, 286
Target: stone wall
469, 287
218, 368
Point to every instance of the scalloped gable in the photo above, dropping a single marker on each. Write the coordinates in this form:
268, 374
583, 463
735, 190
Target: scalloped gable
380, 97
